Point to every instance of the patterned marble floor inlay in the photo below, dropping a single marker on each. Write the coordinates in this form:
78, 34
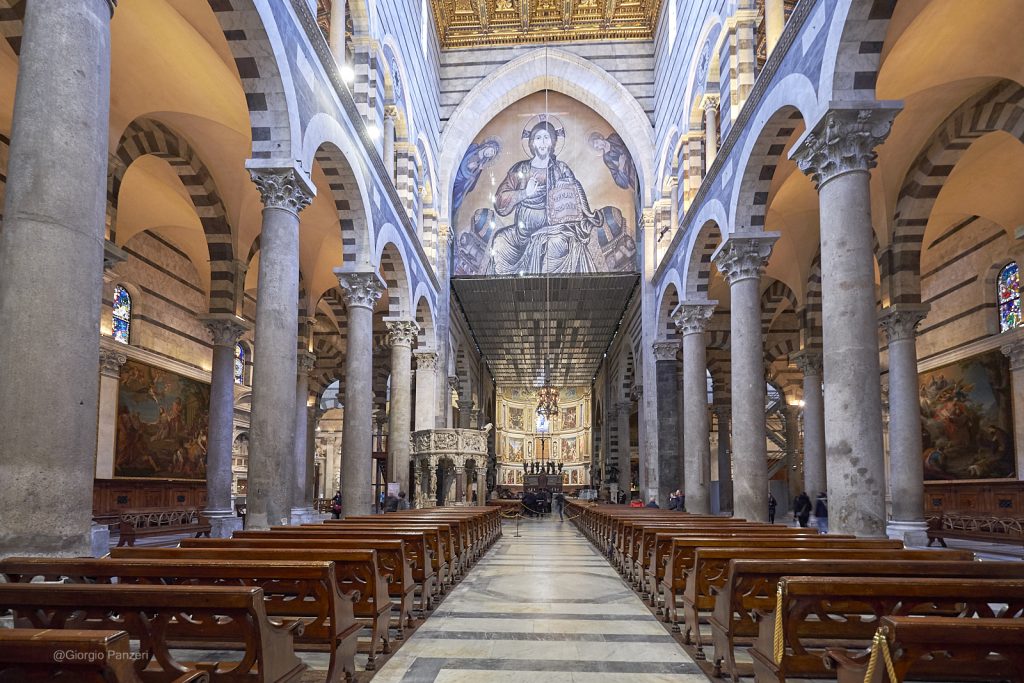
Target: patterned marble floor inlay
542, 604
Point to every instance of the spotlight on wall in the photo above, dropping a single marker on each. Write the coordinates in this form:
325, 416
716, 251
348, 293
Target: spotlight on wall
347, 74
373, 131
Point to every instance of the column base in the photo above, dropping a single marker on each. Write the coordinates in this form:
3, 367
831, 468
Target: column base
223, 523
912, 533
300, 516
99, 539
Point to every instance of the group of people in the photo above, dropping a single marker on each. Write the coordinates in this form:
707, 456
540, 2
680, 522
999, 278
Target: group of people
802, 508
390, 503
542, 502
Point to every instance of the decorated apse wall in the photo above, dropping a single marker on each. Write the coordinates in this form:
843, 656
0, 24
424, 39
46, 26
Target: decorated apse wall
524, 436
546, 187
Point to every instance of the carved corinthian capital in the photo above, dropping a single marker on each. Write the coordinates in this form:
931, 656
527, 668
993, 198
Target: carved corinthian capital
809, 362
900, 321
306, 361
665, 349
744, 256
361, 289
401, 331
282, 188
225, 330
691, 317
426, 360
844, 140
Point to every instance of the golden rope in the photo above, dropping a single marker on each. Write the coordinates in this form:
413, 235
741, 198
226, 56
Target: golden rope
886, 654
779, 648
873, 660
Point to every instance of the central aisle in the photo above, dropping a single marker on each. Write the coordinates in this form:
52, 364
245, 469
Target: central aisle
545, 603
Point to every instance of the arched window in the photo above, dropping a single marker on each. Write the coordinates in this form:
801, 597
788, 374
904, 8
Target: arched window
122, 315
1009, 297
239, 363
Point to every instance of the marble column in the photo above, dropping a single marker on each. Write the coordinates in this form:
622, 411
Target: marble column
465, 410
794, 477
691, 319
636, 395
311, 488
1014, 350
710, 131
301, 502
906, 469
474, 418
724, 459
670, 460
481, 486
741, 259
426, 393
774, 22
361, 291
401, 335
111, 361
285, 193
623, 412
815, 480
838, 152
336, 39
51, 246
454, 385
389, 141
225, 331
460, 484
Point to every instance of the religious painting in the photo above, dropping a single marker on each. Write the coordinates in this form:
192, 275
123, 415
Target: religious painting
967, 419
515, 419
569, 449
543, 425
569, 418
162, 423
547, 187
515, 450
574, 477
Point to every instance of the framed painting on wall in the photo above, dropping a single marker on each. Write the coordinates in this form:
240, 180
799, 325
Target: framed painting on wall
515, 419
162, 424
569, 418
967, 419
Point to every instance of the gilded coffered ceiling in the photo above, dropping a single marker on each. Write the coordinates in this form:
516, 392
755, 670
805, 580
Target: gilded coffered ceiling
473, 23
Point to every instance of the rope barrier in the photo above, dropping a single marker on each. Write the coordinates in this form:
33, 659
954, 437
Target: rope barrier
880, 643
777, 641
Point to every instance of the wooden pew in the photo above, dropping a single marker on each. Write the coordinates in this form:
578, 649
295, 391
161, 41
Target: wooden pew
463, 539
391, 559
28, 655
356, 571
815, 612
977, 649
683, 549
972, 527
135, 525
154, 614
752, 577
448, 547
294, 590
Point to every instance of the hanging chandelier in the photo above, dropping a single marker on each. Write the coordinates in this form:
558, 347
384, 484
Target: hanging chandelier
547, 400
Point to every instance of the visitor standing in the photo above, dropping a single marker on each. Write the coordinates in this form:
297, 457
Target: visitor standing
675, 500
403, 502
336, 505
652, 503
560, 503
772, 504
821, 513
802, 508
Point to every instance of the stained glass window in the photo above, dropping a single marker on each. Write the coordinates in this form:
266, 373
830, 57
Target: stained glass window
1009, 297
122, 319
239, 363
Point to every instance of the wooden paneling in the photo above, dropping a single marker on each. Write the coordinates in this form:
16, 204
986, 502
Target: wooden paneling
112, 496
993, 497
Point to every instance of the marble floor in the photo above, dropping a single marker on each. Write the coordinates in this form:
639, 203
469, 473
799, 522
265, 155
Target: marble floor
541, 606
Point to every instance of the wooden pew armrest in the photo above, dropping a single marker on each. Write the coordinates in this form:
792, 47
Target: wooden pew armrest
193, 677
287, 625
834, 657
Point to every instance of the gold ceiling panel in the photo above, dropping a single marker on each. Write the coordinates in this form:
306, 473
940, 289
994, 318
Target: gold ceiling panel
475, 23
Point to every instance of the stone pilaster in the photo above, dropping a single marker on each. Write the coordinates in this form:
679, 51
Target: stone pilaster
815, 480
670, 457
225, 331
725, 499
51, 246
285, 193
691, 319
906, 469
362, 291
1014, 350
401, 335
838, 153
111, 360
426, 383
623, 411
636, 395
302, 498
742, 259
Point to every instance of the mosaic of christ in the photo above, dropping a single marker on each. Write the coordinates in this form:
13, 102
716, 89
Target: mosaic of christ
552, 192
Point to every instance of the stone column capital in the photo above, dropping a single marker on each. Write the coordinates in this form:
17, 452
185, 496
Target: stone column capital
900, 321
844, 141
360, 289
390, 112
306, 361
810, 362
710, 102
426, 359
624, 407
455, 384
744, 256
111, 361
692, 317
283, 188
401, 331
225, 330
636, 392
665, 349
1014, 350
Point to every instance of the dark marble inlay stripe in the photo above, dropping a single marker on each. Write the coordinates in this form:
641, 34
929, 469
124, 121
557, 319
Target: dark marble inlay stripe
426, 669
567, 617
517, 635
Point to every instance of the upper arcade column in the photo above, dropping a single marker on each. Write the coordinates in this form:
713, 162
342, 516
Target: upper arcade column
742, 259
691, 319
285, 193
710, 131
51, 244
838, 152
390, 114
401, 335
337, 37
361, 291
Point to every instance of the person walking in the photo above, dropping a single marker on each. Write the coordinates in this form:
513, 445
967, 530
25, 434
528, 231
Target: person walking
821, 513
802, 508
336, 505
403, 502
675, 501
560, 504
391, 503
652, 503
772, 504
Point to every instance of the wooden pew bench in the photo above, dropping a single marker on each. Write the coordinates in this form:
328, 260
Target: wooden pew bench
31, 654
683, 550
234, 616
813, 613
356, 572
977, 649
132, 526
987, 529
448, 549
308, 591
